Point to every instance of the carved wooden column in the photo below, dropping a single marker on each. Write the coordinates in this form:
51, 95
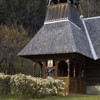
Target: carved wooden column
68, 63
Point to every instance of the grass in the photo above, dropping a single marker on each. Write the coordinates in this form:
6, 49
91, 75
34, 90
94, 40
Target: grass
8, 98
72, 97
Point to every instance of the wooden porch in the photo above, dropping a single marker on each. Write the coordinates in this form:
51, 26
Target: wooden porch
72, 73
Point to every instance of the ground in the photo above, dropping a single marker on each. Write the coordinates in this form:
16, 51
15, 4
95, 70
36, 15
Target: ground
72, 97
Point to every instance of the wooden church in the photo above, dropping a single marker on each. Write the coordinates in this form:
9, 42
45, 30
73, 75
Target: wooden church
67, 47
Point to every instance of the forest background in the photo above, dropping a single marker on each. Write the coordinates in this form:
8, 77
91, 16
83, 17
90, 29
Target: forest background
19, 22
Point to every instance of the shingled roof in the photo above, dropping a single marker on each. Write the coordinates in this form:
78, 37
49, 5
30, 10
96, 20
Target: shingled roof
93, 27
63, 32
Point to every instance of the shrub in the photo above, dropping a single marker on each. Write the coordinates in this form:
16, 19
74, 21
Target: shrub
4, 84
22, 85
30, 87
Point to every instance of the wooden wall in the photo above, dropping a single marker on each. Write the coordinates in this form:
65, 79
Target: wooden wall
74, 85
77, 86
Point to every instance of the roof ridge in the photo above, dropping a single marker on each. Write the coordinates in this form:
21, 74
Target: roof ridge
91, 18
60, 20
74, 24
56, 21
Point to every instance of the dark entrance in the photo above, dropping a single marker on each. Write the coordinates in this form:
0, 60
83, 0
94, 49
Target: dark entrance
62, 69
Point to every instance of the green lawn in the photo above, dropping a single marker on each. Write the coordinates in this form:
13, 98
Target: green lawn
73, 97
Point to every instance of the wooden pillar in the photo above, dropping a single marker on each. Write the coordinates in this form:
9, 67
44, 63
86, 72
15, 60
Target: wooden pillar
83, 71
49, 2
41, 72
33, 67
44, 69
80, 70
68, 63
82, 74
74, 72
56, 68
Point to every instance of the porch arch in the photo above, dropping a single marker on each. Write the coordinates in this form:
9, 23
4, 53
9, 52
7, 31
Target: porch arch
38, 69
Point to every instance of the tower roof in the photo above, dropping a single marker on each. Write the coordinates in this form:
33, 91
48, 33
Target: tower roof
63, 11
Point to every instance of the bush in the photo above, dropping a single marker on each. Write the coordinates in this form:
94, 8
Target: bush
4, 84
30, 87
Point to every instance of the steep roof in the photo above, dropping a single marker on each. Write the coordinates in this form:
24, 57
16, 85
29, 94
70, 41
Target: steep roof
93, 27
56, 38
63, 32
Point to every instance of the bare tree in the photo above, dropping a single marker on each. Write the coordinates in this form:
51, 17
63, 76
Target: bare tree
11, 42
